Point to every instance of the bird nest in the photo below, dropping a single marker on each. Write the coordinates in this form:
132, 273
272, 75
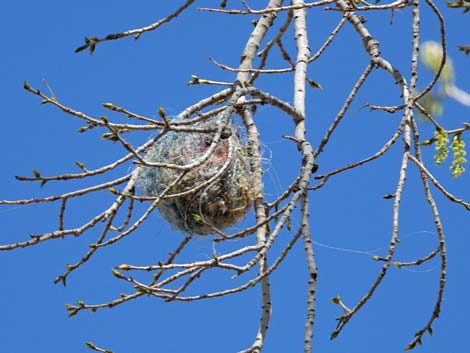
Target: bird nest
211, 196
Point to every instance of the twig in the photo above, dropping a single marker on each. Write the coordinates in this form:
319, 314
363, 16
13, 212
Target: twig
91, 42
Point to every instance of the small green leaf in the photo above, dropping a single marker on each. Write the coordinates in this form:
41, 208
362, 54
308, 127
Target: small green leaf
36, 173
389, 196
197, 217
26, 85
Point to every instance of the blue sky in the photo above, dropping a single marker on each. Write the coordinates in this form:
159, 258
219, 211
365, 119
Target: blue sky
350, 219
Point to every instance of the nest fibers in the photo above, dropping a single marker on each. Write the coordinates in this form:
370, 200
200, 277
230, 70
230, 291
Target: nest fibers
214, 195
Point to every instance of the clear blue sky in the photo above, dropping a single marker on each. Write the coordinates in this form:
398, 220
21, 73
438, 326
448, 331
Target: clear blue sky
348, 213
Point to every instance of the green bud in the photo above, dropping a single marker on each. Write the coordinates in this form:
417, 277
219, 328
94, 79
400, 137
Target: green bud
109, 106
118, 274
313, 84
410, 347
113, 191
90, 345
427, 142
161, 112
80, 165
336, 300
73, 312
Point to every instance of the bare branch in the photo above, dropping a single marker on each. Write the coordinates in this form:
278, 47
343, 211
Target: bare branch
92, 42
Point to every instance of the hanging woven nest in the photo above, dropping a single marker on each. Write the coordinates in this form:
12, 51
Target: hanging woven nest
215, 194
